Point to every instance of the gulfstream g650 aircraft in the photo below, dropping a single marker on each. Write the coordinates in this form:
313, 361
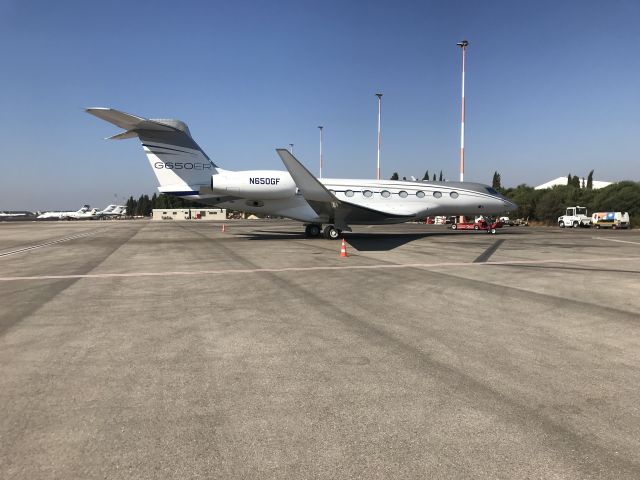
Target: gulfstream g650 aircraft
183, 169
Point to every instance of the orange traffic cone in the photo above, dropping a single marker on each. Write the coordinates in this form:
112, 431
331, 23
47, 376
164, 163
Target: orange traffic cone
343, 249
223, 229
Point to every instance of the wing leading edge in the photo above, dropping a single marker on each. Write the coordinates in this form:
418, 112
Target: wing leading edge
325, 203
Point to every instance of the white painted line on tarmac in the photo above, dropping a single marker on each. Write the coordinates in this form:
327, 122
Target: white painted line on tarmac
46, 244
615, 240
317, 268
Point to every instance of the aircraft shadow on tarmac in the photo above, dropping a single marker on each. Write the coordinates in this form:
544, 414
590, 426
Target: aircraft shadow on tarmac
364, 242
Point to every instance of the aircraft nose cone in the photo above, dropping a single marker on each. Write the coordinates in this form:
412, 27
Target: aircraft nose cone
510, 205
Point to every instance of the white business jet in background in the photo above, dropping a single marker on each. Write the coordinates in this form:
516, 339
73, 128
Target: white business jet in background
85, 213
183, 169
112, 211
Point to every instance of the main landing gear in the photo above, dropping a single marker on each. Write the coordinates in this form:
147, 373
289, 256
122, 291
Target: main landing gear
329, 232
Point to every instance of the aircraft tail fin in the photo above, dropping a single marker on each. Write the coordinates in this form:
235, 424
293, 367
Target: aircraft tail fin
179, 164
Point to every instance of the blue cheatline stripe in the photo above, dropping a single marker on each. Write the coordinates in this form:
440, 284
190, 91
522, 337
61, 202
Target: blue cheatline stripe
181, 194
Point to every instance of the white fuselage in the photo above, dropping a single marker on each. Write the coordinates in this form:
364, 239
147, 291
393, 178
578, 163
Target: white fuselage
275, 193
183, 169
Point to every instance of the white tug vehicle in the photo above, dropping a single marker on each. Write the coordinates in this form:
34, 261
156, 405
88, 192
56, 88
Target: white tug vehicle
575, 217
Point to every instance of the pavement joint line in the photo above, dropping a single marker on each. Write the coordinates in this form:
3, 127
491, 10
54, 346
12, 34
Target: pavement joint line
615, 240
46, 244
486, 255
316, 268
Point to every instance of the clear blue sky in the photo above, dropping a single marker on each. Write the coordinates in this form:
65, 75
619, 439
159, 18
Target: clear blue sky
552, 88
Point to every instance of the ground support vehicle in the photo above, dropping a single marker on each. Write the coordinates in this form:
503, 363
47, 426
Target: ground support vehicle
481, 224
575, 217
612, 220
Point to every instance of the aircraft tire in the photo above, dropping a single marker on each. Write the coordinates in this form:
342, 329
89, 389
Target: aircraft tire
331, 233
313, 230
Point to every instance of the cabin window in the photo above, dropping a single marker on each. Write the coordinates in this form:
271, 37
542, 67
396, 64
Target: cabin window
454, 195
385, 194
437, 194
367, 193
349, 193
420, 194
402, 194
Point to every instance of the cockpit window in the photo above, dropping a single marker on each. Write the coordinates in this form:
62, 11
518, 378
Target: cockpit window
492, 191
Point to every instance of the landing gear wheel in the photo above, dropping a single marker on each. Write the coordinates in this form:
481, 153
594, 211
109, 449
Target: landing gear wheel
312, 230
331, 233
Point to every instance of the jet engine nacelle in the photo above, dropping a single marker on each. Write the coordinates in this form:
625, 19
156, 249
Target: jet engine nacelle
254, 184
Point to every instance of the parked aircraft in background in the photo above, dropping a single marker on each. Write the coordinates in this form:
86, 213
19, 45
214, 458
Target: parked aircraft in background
85, 213
112, 211
183, 169
13, 214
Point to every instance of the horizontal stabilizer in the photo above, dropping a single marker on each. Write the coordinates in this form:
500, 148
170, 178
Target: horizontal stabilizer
126, 121
129, 122
123, 135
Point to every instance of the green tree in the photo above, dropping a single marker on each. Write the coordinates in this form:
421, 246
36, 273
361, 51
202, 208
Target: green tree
576, 181
132, 205
394, 176
426, 176
496, 181
434, 177
551, 204
441, 178
569, 180
526, 198
590, 180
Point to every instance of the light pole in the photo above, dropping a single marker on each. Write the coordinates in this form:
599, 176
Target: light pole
379, 95
320, 127
463, 45
291, 148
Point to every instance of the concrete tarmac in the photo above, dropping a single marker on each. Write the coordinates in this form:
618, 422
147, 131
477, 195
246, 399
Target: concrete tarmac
137, 349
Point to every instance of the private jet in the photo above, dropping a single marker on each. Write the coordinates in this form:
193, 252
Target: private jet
85, 213
182, 168
112, 211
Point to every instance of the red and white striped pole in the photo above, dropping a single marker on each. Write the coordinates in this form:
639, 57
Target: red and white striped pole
463, 44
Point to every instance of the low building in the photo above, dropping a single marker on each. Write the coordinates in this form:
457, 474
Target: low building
564, 180
189, 214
